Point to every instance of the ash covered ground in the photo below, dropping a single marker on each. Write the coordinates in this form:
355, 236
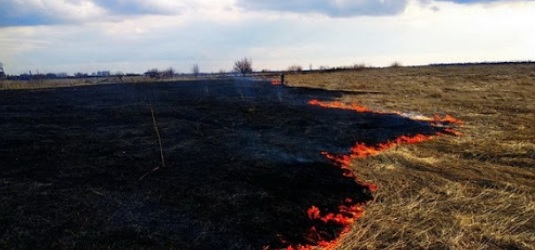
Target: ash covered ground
242, 164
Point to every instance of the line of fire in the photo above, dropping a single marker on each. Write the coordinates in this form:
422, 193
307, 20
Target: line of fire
350, 210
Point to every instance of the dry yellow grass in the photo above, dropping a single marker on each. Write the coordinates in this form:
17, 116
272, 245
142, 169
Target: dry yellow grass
472, 192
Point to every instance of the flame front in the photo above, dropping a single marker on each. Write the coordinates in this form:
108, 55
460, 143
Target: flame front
276, 82
339, 105
350, 210
436, 119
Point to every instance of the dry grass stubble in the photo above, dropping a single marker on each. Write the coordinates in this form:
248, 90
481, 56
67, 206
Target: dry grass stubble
471, 192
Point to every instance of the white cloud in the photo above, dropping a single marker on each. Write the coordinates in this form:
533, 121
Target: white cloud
43, 12
214, 35
333, 8
46, 12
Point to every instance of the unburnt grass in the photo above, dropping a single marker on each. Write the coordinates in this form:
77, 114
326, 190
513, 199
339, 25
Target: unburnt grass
471, 192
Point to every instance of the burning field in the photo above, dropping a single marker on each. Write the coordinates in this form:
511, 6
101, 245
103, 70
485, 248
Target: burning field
475, 191
227, 164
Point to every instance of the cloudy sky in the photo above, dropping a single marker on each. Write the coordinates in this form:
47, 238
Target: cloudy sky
137, 35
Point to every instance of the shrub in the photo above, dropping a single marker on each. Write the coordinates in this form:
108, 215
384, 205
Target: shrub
244, 66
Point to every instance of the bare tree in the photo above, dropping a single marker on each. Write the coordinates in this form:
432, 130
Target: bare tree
244, 66
195, 70
168, 73
396, 65
295, 68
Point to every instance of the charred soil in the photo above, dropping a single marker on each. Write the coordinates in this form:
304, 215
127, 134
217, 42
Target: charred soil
243, 164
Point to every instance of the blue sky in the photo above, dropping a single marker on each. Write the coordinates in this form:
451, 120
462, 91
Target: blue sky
135, 35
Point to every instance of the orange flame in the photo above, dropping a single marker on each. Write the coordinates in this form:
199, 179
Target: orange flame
436, 119
447, 119
339, 105
276, 82
349, 211
345, 217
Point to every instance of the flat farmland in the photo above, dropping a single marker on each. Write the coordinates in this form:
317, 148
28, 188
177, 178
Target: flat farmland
240, 164
471, 192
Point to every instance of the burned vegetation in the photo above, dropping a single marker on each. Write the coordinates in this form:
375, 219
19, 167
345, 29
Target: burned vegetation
248, 165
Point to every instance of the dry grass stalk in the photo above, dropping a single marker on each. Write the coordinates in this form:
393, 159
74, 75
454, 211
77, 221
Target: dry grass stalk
155, 125
157, 134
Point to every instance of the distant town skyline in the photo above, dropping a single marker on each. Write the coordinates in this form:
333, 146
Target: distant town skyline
135, 36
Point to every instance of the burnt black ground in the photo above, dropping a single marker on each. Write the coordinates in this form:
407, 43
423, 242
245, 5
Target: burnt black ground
242, 164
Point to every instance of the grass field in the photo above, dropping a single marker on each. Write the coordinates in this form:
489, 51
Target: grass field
476, 191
